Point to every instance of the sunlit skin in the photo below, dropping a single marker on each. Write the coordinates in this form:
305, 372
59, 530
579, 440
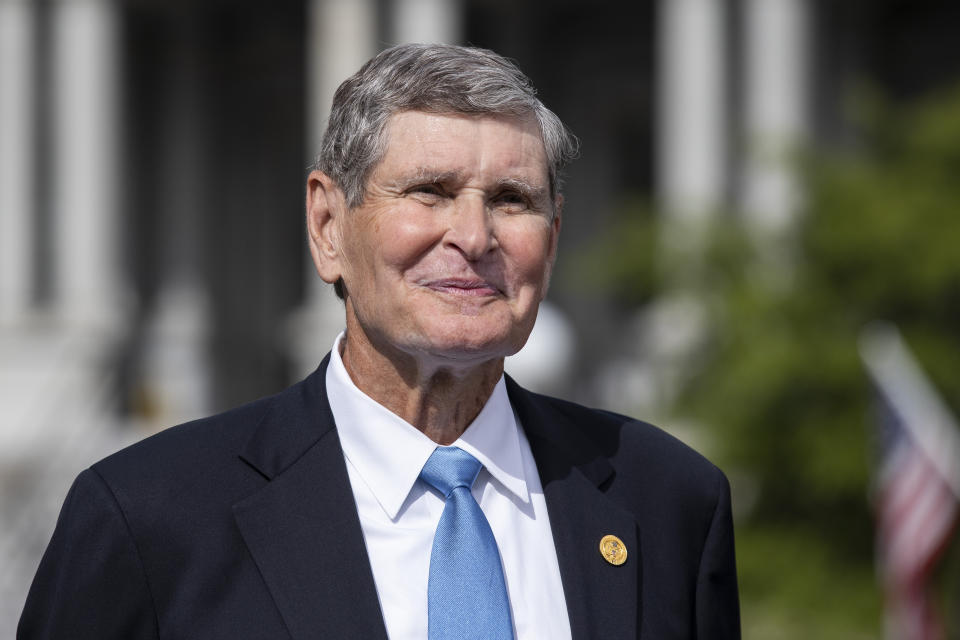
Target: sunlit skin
445, 262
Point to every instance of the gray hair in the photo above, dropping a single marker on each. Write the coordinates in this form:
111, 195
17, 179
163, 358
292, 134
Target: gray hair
435, 78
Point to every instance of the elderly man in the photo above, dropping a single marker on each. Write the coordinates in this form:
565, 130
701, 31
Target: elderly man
407, 488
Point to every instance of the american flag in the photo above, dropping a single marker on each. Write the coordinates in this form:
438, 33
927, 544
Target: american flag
917, 485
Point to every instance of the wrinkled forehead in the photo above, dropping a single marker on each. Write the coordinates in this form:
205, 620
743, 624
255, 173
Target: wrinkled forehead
441, 142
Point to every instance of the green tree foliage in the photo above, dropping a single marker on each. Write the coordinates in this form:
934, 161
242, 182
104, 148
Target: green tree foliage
780, 386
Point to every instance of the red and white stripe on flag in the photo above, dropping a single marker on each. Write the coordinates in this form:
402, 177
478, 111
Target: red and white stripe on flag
917, 483
916, 515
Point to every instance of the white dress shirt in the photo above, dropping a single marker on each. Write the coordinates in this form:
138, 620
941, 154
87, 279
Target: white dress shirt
399, 512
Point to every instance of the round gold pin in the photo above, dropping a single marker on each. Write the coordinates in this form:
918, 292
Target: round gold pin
613, 550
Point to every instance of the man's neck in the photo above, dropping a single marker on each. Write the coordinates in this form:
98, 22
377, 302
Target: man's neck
439, 399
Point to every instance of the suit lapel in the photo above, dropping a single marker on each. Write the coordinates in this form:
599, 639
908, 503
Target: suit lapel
603, 600
302, 527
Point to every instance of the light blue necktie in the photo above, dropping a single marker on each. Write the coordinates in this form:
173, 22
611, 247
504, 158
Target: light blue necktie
466, 595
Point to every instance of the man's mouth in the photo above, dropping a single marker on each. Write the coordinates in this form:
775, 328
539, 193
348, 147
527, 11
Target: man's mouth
469, 287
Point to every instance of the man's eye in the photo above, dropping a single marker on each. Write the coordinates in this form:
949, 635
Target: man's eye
511, 200
427, 189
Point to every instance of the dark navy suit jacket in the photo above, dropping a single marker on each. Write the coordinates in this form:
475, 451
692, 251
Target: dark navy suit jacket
243, 525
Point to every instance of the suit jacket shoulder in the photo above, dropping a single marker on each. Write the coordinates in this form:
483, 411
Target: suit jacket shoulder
218, 528
645, 462
669, 505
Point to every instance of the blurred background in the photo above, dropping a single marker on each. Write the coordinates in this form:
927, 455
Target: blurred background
759, 181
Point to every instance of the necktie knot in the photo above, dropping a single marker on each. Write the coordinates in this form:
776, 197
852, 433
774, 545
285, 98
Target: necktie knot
449, 468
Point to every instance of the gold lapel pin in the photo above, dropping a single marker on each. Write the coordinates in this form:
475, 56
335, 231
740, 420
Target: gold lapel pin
613, 550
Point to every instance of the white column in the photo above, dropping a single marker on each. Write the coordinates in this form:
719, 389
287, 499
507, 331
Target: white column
16, 158
83, 174
775, 109
341, 36
427, 21
691, 128
691, 118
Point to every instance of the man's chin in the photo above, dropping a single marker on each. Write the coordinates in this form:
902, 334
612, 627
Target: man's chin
467, 350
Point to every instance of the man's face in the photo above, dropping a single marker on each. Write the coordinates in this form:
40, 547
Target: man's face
450, 253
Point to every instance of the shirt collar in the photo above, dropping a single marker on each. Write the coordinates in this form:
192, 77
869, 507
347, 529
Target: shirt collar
388, 452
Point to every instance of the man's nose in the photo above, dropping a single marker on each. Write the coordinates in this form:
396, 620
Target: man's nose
470, 227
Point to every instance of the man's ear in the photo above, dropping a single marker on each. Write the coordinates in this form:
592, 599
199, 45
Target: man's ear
554, 240
555, 228
326, 207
